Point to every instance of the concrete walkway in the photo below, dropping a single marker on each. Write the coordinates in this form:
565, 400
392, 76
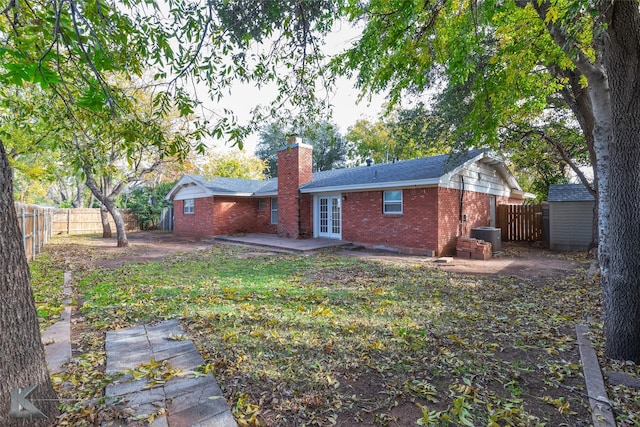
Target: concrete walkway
57, 337
272, 241
184, 400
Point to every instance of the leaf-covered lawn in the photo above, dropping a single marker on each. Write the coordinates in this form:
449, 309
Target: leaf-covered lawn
324, 339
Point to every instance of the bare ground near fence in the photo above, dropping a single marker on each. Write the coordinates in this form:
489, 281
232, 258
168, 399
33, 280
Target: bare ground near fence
39, 223
87, 220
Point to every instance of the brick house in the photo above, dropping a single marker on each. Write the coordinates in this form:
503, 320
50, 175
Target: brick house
415, 206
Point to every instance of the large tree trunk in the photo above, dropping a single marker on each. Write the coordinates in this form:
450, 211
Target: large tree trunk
622, 294
592, 110
106, 227
111, 207
78, 202
583, 110
22, 360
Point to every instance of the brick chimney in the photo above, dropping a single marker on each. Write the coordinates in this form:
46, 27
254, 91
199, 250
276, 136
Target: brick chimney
295, 167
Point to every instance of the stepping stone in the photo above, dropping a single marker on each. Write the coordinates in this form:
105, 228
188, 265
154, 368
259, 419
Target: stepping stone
187, 400
57, 337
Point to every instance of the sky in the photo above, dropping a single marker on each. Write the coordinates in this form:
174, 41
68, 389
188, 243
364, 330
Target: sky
346, 109
346, 112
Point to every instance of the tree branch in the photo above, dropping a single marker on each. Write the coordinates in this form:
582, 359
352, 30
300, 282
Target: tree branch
194, 57
567, 158
579, 58
10, 6
103, 85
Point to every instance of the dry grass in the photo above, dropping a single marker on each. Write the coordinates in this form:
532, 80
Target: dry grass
325, 340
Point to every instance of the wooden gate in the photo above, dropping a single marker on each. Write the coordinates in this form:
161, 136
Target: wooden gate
520, 223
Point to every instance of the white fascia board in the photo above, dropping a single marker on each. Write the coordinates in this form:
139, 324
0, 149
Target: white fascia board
218, 193
519, 194
185, 181
478, 189
446, 178
373, 186
491, 160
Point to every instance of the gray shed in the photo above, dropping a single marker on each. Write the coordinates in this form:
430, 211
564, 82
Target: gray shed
570, 217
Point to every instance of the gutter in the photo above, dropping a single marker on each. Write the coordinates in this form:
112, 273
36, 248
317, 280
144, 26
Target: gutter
373, 186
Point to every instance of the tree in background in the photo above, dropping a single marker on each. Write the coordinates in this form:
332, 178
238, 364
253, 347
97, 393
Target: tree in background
271, 138
147, 203
232, 164
403, 133
330, 148
369, 140
545, 147
26, 137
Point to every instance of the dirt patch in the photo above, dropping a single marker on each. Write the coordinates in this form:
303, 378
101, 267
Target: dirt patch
516, 259
146, 246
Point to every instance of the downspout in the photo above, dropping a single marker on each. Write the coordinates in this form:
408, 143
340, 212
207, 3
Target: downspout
460, 206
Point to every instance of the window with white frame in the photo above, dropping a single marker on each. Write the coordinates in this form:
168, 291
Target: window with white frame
274, 210
188, 206
262, 204
392, 202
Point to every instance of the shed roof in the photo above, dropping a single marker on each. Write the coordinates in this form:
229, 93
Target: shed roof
569, 193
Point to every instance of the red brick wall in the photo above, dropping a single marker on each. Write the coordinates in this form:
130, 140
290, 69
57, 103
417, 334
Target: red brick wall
295, 165
474, 205
429, 221
199, 224
222, 215
413, 231
240, 215
306, 215
263, 219
508, 201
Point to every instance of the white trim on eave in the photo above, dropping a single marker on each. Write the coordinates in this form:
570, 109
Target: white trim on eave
184, 182
188, 181
373, 186
492, 161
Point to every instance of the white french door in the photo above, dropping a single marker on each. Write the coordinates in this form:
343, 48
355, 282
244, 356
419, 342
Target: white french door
329, 216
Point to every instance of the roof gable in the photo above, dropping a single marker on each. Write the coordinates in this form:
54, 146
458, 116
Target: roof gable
569, 193
222, 186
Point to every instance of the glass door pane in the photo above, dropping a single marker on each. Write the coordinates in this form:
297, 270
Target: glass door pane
324, 215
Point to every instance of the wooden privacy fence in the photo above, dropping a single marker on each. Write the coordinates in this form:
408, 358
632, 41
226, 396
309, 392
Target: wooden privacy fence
166, 220
36, 225
87, 220
520, 223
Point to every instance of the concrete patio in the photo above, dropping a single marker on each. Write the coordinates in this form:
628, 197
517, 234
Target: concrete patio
272, 241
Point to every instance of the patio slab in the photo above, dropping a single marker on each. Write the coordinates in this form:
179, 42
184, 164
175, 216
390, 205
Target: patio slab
187, 400
272, 241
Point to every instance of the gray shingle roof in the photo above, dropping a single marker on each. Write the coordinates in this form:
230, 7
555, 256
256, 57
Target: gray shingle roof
569, 193
424, 169
237, 185
405, 170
